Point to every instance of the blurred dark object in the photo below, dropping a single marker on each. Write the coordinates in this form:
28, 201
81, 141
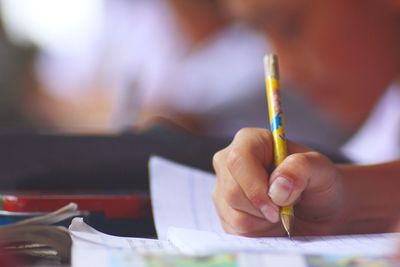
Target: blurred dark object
32, 161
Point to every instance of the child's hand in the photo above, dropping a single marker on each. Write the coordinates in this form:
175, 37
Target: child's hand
248, 197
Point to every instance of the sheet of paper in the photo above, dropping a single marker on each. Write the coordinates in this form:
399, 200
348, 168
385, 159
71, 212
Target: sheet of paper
105, 257
85, 236
181, 197
121, 258
194, 242
93, 248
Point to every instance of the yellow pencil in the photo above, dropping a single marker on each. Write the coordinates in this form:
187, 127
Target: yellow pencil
277, 126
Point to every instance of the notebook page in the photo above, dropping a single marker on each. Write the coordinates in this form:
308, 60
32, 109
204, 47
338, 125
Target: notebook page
85, 236
196, 242
181, 197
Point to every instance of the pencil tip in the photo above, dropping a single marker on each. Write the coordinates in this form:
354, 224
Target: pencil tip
287, 223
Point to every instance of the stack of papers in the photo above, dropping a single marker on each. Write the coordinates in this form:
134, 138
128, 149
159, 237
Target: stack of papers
189, 229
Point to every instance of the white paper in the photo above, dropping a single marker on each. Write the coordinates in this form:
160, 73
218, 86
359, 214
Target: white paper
105, 257
102, 257
194, 242
270, 260
181, 197
93, 248
85, 236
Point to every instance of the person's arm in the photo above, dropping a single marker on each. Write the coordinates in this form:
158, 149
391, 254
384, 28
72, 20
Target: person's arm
373, 197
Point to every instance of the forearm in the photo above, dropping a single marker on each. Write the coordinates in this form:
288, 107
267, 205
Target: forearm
372, 195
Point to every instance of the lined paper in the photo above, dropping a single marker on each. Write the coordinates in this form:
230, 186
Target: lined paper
185, 215
181, 197
195, 242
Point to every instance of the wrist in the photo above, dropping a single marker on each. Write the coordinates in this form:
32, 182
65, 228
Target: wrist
369, 199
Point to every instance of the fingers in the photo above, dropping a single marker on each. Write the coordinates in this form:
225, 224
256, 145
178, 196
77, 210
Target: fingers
240, 194
241, 223
308, 172
230, 192
249, 156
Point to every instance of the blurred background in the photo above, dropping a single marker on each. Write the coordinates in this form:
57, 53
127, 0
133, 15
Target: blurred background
107, 66
104, 65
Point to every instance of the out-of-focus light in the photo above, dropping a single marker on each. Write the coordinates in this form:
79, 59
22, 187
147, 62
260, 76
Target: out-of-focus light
52, 24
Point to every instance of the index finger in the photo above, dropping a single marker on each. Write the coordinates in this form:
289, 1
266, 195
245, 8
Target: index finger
249, 157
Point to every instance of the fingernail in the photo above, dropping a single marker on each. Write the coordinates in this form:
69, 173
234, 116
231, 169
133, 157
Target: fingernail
270, 212
280, 190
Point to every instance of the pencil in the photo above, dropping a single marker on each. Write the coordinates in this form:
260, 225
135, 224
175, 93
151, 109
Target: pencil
277, 126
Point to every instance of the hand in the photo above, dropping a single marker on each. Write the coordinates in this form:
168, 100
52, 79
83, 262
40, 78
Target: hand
248, 198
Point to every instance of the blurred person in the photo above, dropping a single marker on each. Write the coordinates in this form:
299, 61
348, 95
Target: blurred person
335, 90
207, 76
16, 82
69, 52
327, 47
185, 62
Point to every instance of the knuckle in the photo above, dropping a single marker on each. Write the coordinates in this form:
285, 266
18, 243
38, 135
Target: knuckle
218, 159
301, 159
315, 155
243, 133
234, 159
248, 131
256, 136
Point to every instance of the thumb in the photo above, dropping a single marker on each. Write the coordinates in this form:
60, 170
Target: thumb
310, 171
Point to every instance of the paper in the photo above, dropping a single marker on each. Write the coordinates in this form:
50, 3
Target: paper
121, 258
105, 257
182, 199
93, 248
194, 242
180, 202
85, 236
